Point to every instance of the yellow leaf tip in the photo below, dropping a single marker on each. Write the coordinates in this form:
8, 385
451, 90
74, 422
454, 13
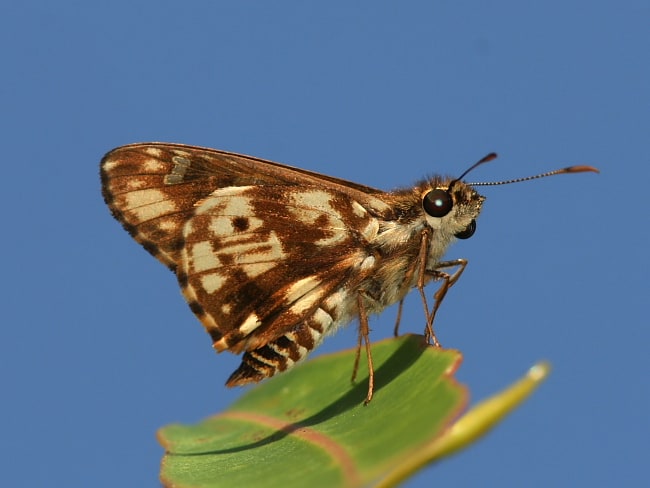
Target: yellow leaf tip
539, 371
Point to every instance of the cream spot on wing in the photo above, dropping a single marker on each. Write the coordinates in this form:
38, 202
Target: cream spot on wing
202, 257
240, 207
221, 226
251, 323
337, 235
136, 184
254, 224
300, 288
314, 199
254, 270
252, 251
143, 197
147, 204
306, 302
358, 209
207, 320
305, 215
153, 165
153, 151
226, 308
252, 255
324, 219
314, 207
167, 225
110, 164
212, 282
303, 295
370, 231
244, 251
189, 228
227, 201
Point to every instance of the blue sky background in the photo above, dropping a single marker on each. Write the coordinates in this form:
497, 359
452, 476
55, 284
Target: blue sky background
95, 334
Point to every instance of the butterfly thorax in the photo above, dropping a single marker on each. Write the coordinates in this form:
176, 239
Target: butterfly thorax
398, 242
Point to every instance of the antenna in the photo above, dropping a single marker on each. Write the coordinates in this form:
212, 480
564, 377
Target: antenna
484, 159
492, 156
569, 169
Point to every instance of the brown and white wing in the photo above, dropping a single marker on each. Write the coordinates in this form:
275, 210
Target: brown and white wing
256, 245
152, 188
258, 260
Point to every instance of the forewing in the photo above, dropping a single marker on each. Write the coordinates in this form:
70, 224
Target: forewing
259, 259
153, 188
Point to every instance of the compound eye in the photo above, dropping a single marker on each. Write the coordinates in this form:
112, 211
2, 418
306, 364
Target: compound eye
468, 232
437, 203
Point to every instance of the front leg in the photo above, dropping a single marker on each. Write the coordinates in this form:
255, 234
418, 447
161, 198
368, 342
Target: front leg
448, 282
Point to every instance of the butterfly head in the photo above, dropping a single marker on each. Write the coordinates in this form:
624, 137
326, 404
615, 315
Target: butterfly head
454, 205
452, 208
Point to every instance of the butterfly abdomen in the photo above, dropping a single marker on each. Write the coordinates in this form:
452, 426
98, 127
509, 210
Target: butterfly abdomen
282, 353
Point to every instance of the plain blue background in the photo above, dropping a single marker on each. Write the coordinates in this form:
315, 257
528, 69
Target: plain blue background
98, 348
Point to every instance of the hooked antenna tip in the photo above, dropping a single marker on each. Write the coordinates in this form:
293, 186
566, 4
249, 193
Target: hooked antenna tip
489, 157
581, 169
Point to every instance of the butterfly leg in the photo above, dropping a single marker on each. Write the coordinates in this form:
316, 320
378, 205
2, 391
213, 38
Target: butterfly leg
357, 356
364, 335
399, 317
419, 266
448, 282
423, 277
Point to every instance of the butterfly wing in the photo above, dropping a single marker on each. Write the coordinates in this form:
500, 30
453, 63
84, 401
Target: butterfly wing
259, 259
256, 245
152, 188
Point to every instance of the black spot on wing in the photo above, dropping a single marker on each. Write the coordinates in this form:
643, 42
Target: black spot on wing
240, 224
196, 308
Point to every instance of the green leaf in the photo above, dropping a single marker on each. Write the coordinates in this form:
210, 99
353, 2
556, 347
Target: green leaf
309, 427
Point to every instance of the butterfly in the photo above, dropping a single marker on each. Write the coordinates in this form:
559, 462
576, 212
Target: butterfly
273, 258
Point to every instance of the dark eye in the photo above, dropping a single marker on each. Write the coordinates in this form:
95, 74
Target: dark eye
468, 232
437, 203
